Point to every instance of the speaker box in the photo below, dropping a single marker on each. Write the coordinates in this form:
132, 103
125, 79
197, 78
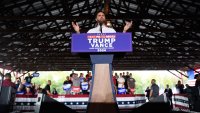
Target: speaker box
46, 104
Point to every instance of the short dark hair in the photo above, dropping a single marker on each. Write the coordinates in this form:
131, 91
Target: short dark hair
8, 75
100, 11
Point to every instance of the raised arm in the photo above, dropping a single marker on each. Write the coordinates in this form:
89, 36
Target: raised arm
76, 27
127, 26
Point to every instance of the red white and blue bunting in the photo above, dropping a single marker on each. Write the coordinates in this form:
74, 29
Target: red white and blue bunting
79, 102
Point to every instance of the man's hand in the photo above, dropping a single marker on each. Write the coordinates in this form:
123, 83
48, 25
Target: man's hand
127, 26
76, 27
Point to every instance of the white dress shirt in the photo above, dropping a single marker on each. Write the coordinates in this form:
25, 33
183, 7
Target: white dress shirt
104, 30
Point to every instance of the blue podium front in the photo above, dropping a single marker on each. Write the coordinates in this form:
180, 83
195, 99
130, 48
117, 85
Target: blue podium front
102, 47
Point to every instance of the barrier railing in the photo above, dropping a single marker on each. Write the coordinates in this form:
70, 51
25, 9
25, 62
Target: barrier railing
79, 102
180, 101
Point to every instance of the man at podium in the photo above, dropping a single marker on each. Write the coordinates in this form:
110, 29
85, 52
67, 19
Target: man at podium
101, 41
101, 25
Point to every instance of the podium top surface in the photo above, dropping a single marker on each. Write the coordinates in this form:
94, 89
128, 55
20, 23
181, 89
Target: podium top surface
101, 42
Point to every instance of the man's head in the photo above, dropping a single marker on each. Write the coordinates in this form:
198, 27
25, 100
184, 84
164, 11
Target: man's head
127, 73
130, 74
153, 81
29, 74
179, 82
120, 75
67, 78
100, 17
81, 74
49, 82
7, 76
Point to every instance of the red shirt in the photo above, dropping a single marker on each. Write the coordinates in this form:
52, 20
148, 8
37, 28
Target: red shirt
7, 83
114, 80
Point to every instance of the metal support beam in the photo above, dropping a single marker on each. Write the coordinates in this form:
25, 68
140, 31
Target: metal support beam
91, 17
174, 74
182, 74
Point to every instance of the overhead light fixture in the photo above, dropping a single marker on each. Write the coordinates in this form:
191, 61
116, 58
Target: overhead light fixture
1, 61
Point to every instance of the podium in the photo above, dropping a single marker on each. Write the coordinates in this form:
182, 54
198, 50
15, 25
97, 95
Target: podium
101, 47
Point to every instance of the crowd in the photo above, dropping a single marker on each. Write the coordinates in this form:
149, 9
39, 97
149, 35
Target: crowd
122, 83
193, 93
74, 84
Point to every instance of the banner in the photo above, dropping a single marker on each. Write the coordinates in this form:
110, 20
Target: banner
102, 42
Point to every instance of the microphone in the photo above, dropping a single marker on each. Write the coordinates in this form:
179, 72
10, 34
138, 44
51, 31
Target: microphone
100, 24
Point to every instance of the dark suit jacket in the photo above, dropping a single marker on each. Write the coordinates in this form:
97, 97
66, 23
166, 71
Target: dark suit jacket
169, 92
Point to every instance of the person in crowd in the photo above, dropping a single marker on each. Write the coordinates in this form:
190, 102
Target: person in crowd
116, 76
114, 83
28, 80
67, 85
188, 91
196, 95
81, 77
28, 91
121, 88
38, 89
196, 76
101, 25
71, 76
47, 88
154, 91
7, 81
131, 83
21, 88
76, 84
121, 81
89, 76
123, 74
147, 92
126, 78
54, 92
169, 94
84, 86
33, 85
180, 87
18, 82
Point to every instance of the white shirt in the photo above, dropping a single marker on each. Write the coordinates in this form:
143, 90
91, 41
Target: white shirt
121, 81
104, 30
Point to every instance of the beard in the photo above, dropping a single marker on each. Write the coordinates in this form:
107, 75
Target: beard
101, 21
